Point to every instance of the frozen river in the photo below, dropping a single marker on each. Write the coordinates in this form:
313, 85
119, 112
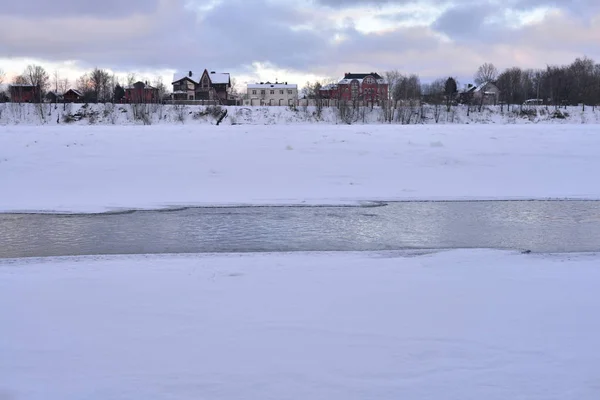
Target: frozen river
539, 226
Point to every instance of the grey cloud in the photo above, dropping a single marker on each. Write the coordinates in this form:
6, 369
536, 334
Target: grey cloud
464, 22
235, 33
66, 8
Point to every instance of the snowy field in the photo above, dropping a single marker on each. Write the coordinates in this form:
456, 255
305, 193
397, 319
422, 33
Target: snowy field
100, 168
457, 325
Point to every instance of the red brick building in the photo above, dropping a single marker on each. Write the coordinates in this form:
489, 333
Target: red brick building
141, 92
24, 93
367, 87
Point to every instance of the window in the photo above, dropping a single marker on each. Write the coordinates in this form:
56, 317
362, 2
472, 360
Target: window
290, 92
262, 92
272, 92
254, 92
281, 92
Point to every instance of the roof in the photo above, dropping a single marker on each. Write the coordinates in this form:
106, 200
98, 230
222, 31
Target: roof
77, 92
483, 86
179, 76
269, 85
218, 78
144, 86
350, 75
22, 85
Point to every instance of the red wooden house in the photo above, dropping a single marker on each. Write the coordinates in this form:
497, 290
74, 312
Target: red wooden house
24, 93
141, 92
72, 96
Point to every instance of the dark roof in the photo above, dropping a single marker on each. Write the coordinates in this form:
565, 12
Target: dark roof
75, 91
362, 76
183, 79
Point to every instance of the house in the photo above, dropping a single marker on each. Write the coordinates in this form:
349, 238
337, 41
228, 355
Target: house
141, 92
184, 87
367, 87
487, 94
25, 93
72, 96
211, 86
272, 94
53, 97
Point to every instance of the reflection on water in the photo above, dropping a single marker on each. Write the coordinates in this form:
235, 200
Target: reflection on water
541, 226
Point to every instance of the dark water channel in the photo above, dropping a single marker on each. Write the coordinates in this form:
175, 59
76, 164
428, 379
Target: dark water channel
539, 226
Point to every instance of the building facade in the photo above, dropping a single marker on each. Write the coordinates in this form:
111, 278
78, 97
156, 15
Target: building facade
24, 93
213, 86
272, 94
141, 92
363, 87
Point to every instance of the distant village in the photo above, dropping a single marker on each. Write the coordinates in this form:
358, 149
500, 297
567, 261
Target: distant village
574, 84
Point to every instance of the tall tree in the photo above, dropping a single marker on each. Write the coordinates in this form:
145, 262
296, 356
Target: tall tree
486, 73
99, 81
450, 90
37, 76
118, 93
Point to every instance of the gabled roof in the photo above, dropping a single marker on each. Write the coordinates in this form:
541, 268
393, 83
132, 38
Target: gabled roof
180, 76
77, 92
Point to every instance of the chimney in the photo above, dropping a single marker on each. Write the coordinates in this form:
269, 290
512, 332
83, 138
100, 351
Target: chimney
190, 74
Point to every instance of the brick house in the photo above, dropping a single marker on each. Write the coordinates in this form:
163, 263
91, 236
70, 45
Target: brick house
25, 93
141, 92
206, 86
366, 87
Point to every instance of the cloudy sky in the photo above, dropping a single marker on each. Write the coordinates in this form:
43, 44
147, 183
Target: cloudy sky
295, 40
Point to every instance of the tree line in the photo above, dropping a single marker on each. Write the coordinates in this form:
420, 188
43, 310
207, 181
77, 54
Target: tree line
96, 86
577, 83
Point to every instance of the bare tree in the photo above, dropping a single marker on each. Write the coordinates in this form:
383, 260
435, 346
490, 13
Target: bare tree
37, 77
162, 88
99, 81
486, 73
131, 78
63, 85
392, 79
2, 75
84, 86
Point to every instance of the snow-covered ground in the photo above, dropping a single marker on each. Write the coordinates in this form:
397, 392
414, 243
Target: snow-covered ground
155, 114
458, 325
99, 168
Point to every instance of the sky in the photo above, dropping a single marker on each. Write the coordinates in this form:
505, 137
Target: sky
295, 40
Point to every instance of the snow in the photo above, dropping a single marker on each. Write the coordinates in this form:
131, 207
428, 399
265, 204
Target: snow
219, 78
458, 325
99, 168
